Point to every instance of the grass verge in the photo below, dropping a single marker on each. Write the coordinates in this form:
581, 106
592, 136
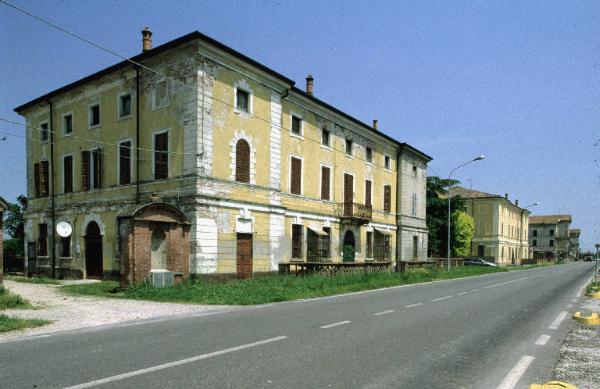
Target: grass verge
11, 301
8, 323
593, 287
272, 288
33, 280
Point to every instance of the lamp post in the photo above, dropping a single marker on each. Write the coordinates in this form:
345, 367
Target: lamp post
479, 158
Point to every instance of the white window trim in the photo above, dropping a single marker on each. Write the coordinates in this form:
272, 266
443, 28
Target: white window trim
389, 168
90, 127
328, 145
372, 161
371, 181
301, 175
244, 86
72, 171
353, 185
119, 117
321, 182
63, 124
155, 106
292, 133
237, 136
46, 122
351, 155
130, 140
158, 132
92, 178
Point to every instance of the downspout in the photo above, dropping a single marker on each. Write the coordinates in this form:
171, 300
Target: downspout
137, 135
398, 229
52, 194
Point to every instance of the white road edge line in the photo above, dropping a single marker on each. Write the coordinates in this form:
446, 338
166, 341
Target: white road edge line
413, 305
384, 312
556, 323
474, 290
542, 340
461, 293
515, 374
339, 323
134, 373
441, 298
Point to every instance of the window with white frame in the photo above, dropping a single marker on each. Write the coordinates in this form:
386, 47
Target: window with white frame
387, 162
348, 146
94, 115
242, 100
67, 123
369, 154
44, 132
124, 105
325, 137
296, 125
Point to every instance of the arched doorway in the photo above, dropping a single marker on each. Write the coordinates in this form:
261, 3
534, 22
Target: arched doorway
348, 247
93, 251
158, 254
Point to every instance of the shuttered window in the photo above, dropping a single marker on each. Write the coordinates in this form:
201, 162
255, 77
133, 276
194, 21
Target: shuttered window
43, 240
68, 174
36, 179
296, 176
325, 183
161, 155
125, 163
387, 198
44, 182
297, 240
96, 178
85, 170
242, 161
368, 185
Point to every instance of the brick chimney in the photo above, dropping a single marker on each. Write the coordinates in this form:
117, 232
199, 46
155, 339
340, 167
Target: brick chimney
310, 84
375, 125
146, 39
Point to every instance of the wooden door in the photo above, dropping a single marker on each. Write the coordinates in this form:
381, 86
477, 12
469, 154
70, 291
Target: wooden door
93, 251
348, 194
244, 256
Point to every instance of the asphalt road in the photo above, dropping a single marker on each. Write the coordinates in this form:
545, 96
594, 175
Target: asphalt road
495, 331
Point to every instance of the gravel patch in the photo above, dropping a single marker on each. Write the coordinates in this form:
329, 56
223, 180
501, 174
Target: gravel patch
74, 312
579, 356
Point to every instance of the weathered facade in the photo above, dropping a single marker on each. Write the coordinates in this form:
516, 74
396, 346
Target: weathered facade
500, 226
549, 236
256, 170
3, 206
574, 248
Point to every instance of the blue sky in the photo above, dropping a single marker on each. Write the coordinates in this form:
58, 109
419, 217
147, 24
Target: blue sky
518, 81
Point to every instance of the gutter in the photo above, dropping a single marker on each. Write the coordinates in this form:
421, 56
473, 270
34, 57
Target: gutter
137, 135
52, 194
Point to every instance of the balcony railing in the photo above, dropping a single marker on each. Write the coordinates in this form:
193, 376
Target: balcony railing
355, 212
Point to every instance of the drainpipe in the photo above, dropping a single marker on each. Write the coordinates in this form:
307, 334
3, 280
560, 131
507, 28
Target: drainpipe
137, 135
52, 194
398, 229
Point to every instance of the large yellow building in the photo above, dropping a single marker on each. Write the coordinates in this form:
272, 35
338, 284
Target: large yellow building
500, 226
192, 149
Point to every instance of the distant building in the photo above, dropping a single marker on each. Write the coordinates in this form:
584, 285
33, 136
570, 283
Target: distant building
3, 206
549, 236
500, 226
574, 242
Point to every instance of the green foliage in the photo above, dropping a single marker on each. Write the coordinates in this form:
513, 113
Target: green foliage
33, 280
463, 227
14, 323
14, 226
12, 301
437, 214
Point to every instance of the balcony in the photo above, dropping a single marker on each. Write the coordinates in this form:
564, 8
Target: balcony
354, 213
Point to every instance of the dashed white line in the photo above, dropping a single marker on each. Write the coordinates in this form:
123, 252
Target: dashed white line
173, 364
413, 305
490, 286
441, 298
461, 293
474, 290
542, 340
339, 323
384, 312
556, 323
515, 374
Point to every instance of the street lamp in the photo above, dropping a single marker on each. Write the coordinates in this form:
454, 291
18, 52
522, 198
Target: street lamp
532, 205
479, 158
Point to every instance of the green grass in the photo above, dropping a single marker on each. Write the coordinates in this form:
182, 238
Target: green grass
11, 301
14, 323
33, 280
272, 288
593, 287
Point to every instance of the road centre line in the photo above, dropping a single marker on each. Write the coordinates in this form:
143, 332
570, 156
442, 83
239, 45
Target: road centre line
490, 286
462, 293
515, 374
556, 323
474, 290
384, 312
542, 340
339, 323
413, 305
441, 298
135, 373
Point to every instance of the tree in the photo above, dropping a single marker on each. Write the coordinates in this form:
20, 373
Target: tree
437, 214
463, 227
14, 226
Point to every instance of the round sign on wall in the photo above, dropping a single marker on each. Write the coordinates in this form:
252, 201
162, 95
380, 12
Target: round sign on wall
64, 229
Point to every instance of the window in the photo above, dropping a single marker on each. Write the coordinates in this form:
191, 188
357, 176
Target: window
124, 106
94, 115
65, 247
91, 169
325, 183
551, 232
534, 242
387, 198
369, 244
40, 172
68, 174
534, 232
348, 147
414, 171
242, 99
325, 244
368, 185
296, 125
387, 162
161, 95
296, 176
42, 240
297, 239
161, 155
415, 247
414, 204
551, 242
44, 132
125, 162
325, 137
369, 154
67, 124
242, 161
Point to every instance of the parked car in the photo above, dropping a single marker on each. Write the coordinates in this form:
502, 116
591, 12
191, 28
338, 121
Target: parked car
478, 262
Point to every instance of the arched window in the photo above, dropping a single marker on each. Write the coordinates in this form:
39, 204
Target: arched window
242, 161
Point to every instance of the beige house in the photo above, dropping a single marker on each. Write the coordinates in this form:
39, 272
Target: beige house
549, 236
500, 226
215, 158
